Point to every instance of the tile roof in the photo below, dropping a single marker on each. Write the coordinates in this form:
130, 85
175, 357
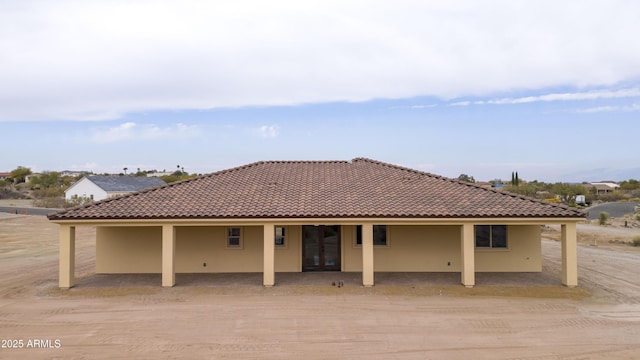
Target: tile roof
318, 189
125, 183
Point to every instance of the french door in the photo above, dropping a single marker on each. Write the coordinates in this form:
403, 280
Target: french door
321, 248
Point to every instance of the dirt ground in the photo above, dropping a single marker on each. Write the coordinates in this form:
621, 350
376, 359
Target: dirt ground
405, 316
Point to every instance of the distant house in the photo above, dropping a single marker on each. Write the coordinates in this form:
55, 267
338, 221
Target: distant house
29, 177
71, 173
102, 187
159, 174
4, 175
605, 187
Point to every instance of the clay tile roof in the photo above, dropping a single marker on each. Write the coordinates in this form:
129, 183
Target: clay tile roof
318, 189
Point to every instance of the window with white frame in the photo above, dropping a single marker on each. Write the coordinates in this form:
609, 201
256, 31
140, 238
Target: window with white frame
491, 236
379, 235
280, 236
234, 237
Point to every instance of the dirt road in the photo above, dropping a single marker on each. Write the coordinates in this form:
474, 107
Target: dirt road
599, 321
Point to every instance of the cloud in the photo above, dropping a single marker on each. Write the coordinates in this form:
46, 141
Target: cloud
569, 96
131, 131
269, 132
413, 107
591, 95
598, 109
62, 62
115, 134
461, 103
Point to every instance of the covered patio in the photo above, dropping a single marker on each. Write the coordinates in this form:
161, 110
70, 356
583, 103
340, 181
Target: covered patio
360, 216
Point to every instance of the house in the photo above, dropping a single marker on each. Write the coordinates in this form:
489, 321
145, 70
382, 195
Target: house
605, 187
72, 173
159, 174
5, 175
292, 216
102, 187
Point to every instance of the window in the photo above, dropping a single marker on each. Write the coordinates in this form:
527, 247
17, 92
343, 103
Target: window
234, 237
491, 236
280, 237
379, 235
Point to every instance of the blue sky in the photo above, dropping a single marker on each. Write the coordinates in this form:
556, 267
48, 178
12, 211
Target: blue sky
549, 90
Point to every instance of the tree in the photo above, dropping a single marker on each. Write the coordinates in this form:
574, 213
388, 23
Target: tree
567, 192
19, 174
46, 180
466, 178
515, 181
630, 184
125, 170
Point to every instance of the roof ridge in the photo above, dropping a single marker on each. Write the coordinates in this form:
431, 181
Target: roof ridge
306, 161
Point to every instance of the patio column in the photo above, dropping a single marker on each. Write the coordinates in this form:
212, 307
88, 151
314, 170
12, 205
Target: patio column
367, 255
569, 255
168, 255
268, 274
67, 256
467, 247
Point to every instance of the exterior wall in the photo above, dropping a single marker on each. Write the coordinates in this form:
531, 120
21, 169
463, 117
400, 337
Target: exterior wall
199, 249
289, 257
199, 245
128, 250
437, 249
84, 188
202, 249
523, 255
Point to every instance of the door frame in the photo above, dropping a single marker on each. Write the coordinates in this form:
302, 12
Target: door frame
321, 248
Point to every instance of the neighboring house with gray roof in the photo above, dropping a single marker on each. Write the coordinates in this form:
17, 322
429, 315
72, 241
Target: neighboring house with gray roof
99, 188
292, 216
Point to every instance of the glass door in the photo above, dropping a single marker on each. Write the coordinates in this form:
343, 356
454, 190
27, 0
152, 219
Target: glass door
321, 248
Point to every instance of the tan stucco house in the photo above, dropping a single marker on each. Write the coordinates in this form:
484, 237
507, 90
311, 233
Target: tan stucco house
292, 216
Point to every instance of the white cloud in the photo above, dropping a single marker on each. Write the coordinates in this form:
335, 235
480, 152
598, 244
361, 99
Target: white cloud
574, 96
598, 109
114, 134
96, 60
130, 131
270, 131
461, 103
590, 95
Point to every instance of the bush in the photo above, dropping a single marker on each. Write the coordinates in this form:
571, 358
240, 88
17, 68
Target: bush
636, 241
604, 217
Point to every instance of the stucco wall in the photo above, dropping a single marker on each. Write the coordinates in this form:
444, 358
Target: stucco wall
410, 248
128, 250
199, 249
523, 255
437, 249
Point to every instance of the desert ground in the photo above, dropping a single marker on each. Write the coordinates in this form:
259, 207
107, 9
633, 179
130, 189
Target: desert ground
405, 316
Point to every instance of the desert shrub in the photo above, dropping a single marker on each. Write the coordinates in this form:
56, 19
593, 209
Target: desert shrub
603, 218
636, 241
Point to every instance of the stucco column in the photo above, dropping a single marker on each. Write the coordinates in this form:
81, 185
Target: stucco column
569, 255
268, 274
67, 256
467, 248
168, 255
367, 255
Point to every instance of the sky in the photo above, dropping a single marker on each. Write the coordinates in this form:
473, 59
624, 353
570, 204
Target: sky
545, 88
